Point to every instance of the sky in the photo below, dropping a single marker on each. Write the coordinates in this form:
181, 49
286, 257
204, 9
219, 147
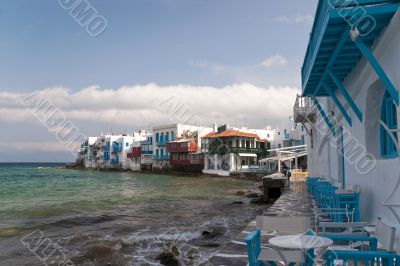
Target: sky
225, 61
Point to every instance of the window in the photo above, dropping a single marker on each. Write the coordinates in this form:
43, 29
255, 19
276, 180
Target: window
389, 117
157, 137
127, 144
279, 146
172, 136
167, 137
279, 133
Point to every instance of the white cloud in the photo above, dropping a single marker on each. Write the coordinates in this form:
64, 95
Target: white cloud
298, 19
275, 61
134, 106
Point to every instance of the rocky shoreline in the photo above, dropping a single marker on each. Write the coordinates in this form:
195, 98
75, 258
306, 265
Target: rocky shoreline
167, 171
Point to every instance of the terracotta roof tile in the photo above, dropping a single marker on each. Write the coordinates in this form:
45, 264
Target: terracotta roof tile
231, 133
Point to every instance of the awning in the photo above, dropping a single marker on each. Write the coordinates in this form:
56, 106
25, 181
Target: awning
332, 54
247, 155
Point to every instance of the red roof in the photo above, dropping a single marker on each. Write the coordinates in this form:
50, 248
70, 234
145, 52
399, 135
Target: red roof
231, 133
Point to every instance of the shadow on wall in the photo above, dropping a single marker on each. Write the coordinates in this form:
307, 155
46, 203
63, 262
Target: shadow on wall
372, 116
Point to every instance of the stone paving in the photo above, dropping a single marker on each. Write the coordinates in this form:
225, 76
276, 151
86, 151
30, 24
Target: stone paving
293, 202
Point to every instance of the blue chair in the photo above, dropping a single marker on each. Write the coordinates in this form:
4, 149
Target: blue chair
257, 255
366, 258
382, 240
253, 242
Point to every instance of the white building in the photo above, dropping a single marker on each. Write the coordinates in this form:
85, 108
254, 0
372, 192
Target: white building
110, 151
233, 150
351, 84
163, 134
133, 159
288, 134
146, 152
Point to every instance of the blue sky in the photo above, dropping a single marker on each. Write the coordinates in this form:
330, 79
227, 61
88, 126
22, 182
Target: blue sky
166, 42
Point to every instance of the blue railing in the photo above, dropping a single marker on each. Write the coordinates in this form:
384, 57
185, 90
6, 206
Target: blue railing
161, 157
117, 147
161, 142
146, 142
146, 152
105, 156
105, 148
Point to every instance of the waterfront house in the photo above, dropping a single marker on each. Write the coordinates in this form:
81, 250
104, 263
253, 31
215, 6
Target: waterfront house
131, 159
288, 134
88, 151
164, 134
232, 150
349, 102
185, 152
146, 152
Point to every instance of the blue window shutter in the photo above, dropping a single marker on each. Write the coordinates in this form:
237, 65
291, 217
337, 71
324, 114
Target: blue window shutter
389, 117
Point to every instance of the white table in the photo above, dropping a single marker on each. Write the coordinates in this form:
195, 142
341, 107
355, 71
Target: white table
300, 242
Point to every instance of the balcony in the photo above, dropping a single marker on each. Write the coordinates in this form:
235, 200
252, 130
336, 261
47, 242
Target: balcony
181, 162
160, 157
117, 147
185, 146
105, 148
304, 110
331, 53
105, 156
161, 142
146, 152
135, 152
224, 149
147, 142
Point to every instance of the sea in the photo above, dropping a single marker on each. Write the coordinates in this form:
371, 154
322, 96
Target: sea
50, 215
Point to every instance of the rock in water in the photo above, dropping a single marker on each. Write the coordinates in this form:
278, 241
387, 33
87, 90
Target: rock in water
259, 200
241, 192
252, 195
169, 257
214, 232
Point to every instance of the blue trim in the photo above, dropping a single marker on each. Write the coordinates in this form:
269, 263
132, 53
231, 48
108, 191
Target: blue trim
389, 117
390, 88
346, 95
332, 59
357, 257
342, 158
324, 116
373, 242
330, 49
338, 104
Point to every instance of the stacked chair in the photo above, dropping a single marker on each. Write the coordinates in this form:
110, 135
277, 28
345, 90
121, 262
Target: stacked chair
337, 215
340, 215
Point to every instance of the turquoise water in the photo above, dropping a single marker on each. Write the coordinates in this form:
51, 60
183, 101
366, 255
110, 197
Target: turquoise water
116, 218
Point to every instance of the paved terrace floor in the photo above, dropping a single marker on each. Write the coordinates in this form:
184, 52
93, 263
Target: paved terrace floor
293, 202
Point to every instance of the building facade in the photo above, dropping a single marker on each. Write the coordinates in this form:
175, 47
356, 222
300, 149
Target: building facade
232, 150
169, 133
350, 105
146, 152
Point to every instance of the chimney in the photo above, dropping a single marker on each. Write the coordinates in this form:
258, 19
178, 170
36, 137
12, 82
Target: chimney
215, 127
